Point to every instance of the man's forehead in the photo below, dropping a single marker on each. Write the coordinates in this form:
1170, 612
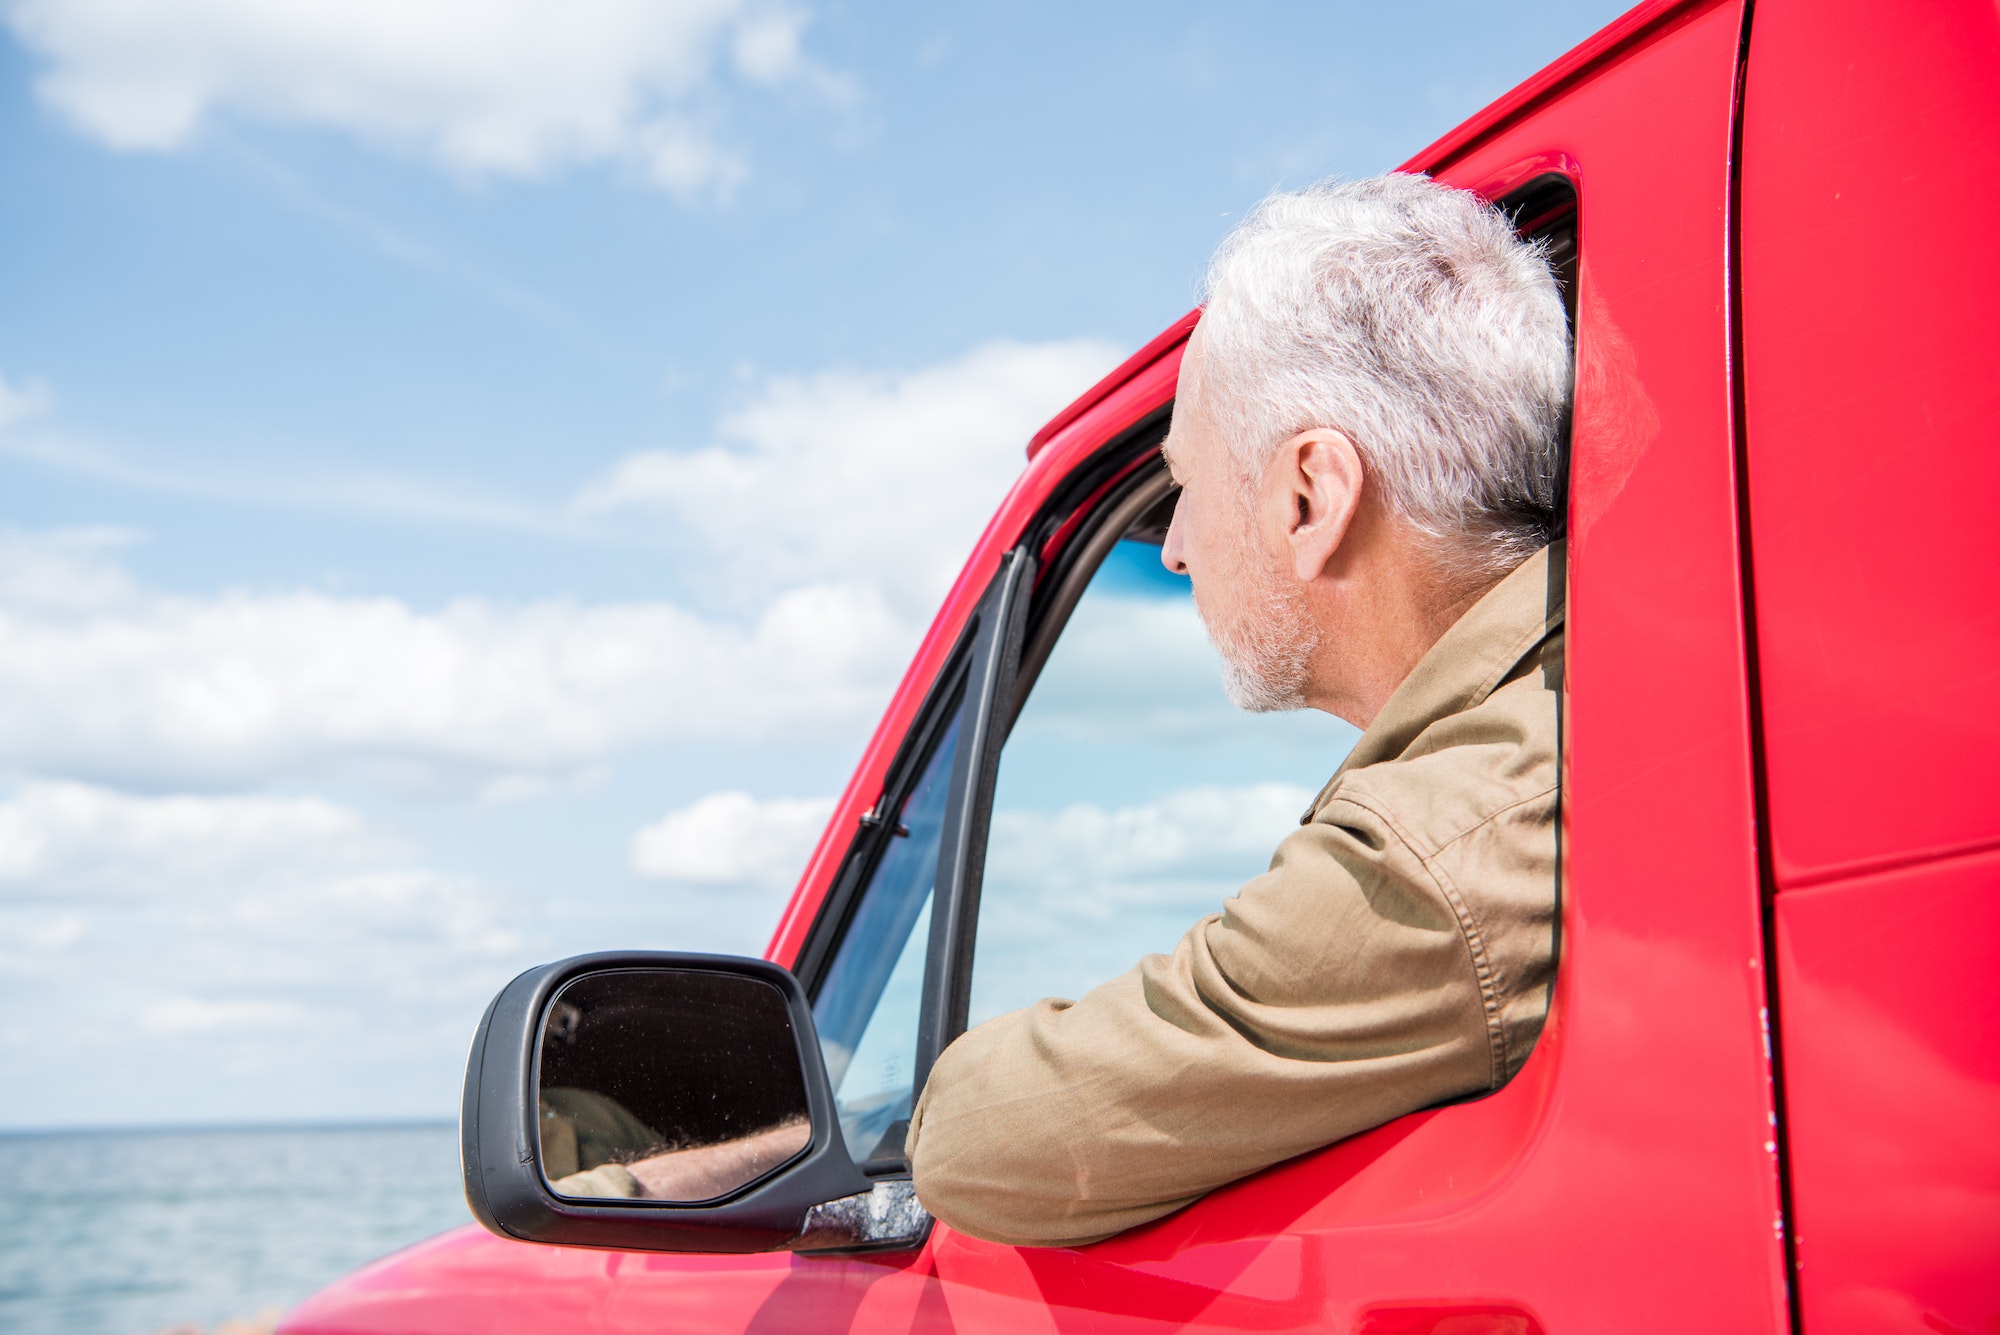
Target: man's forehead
1186, 400
1192, 356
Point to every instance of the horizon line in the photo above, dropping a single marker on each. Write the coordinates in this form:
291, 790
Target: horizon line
357, 1124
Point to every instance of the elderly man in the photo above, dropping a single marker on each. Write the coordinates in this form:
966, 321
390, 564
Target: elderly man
1368, 437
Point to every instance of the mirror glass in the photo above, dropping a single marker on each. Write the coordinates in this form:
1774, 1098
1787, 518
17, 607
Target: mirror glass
668, 1084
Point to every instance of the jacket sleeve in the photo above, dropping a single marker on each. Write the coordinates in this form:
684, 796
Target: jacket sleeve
1333, 993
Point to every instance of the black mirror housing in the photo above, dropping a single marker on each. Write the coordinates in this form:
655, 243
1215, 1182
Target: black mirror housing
817, 1200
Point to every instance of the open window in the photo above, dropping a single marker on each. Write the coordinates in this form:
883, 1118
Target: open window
1077, 791
1131, 797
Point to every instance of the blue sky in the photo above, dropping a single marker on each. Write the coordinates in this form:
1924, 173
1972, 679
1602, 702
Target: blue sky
463, 466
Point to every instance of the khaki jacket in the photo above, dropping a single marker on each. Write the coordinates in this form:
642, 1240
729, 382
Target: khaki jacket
1398, 954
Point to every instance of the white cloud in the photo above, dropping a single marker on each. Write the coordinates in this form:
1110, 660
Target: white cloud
296, 874
1198, 833
508, 789
182, 1015
74, 840
767, 47
1074, 897
412, 923
1089, 690
731, 838
517, 87
240, 910
101, 676
35, 942
256, 899
21, 400
885, 477
66, 570
834, 513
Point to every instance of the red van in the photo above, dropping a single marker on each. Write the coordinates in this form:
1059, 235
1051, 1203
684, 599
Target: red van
1768, 1094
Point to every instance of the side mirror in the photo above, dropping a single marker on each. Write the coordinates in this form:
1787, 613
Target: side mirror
666, 1102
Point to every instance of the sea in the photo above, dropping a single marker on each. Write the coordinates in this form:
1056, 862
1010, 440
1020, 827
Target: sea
216, 1231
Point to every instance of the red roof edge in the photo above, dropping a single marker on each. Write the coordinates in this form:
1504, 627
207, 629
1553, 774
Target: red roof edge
1627, 28
1131, 366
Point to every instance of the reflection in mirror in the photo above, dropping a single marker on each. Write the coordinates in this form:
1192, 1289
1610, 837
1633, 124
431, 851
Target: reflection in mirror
668, 1084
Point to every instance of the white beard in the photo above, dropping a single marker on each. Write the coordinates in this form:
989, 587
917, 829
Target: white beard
1267, 646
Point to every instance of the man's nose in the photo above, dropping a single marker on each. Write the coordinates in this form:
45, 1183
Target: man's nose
1171, 549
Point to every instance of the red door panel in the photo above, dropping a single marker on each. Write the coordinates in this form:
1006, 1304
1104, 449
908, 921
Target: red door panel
1871, 278
1892, 1054
1871, 348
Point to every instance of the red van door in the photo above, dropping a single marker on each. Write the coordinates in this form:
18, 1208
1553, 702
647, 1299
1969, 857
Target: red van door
1628, 1179
1871, 359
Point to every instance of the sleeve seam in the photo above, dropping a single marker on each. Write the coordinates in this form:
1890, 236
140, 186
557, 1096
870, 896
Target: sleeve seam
1468, 926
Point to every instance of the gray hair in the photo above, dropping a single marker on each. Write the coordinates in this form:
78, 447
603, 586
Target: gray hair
1410, 317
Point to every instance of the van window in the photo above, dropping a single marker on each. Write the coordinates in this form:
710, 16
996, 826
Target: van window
1132, 798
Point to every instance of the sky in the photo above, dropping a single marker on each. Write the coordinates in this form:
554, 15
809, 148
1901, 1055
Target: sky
472, 471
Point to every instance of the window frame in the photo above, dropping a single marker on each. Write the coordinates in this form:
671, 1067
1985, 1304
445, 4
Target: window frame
1021, 613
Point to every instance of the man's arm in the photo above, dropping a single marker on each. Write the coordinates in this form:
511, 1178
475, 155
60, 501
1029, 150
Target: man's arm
1341, 989
695, 1174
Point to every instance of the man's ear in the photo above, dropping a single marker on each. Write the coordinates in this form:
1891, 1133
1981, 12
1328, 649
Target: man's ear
1315, 490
